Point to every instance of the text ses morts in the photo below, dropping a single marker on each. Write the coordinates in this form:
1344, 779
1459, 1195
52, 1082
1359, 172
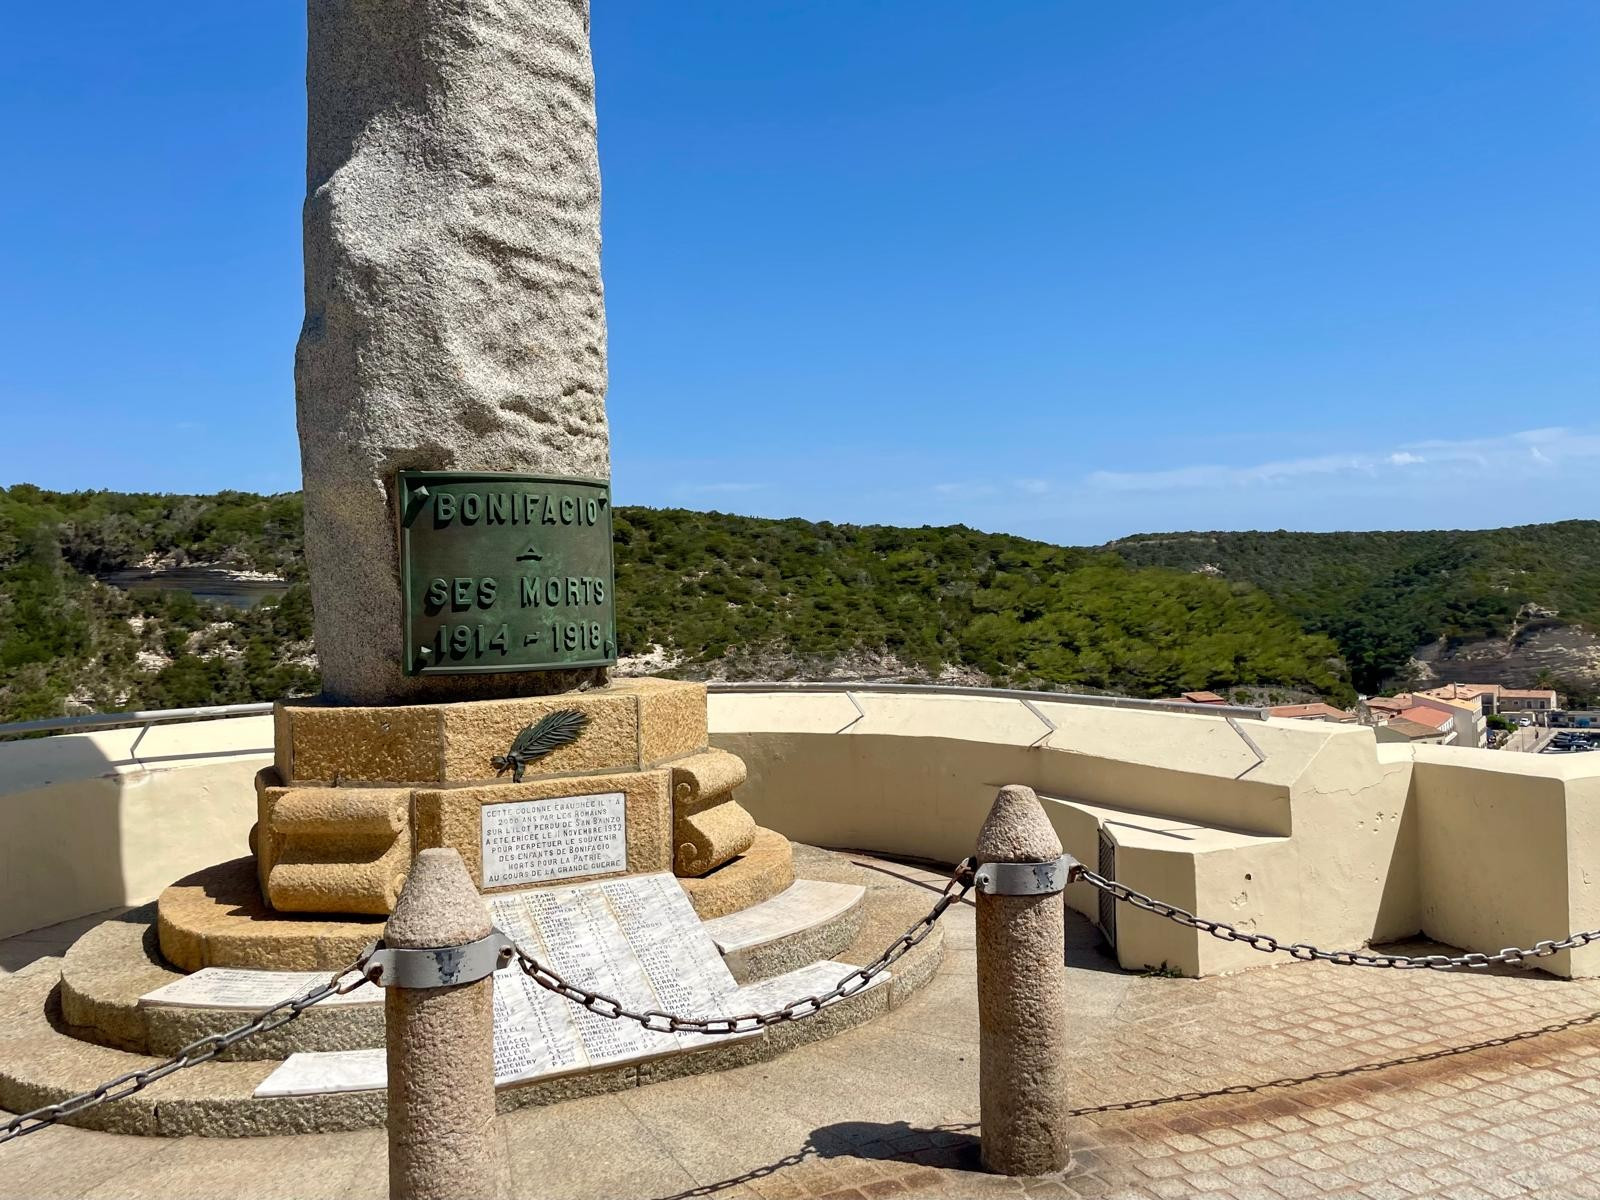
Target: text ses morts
505, 572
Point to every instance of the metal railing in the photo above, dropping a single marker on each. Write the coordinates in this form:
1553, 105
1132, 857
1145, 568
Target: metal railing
89, 722
940, 689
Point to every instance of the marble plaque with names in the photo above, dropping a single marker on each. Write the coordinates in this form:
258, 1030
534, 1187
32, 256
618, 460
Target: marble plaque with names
251, 991
814, 979
636, 939
530, 841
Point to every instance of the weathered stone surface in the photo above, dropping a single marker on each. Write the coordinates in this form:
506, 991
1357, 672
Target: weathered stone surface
331, 850
217, 918
325, 744
440, 1044
454, 312
708, 827
672, 718
702, 777
810, 921
709, 835
1022, 980
475, 733
103, 975
453, 817
758, 874
110, 967
633, 724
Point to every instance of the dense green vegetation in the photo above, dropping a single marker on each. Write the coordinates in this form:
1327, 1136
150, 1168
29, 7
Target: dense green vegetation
1380, 595
64, 637
1251, 614
789, 597
729, 595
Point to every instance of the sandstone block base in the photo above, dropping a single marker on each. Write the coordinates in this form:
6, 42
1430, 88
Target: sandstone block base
217, 918
454, 817
708, 827
356, 793
756, 875
326, 850
633, 724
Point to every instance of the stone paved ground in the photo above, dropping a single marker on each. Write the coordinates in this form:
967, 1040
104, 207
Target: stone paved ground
1299, 1080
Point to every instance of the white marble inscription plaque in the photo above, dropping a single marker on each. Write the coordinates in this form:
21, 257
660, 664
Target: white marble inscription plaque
529, 841
636, 939
549, 1046
228, 987
811, 980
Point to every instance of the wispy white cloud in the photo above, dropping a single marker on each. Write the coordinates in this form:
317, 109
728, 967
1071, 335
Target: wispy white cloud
1034, 487
1510, 452
964, 491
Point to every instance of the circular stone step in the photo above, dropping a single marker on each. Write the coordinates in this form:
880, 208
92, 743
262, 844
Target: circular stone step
106, 971
45, 1058
217, 918
809, 921
109, 968
758, 874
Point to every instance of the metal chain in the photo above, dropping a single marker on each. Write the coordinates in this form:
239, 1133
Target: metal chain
196, 1052
1305, 952
955, 890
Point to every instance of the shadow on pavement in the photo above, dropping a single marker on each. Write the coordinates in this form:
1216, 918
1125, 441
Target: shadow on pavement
1289, 1081
953, 1147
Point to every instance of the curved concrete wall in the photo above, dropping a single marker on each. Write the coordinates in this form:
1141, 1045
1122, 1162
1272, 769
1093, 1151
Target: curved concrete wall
1305, 830
94, 820
1291, 827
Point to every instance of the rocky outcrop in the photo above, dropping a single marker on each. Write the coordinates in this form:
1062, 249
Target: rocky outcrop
1540, 649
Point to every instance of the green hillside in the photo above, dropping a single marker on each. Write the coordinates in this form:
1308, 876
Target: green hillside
1255, 614
1380, 595
734, 596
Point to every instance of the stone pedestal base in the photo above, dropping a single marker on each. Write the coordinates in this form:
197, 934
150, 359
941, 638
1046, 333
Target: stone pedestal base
355, 793
217, 918
66, 1025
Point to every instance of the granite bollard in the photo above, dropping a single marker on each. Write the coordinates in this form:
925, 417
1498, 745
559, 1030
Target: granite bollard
440, 1045
1022, 1018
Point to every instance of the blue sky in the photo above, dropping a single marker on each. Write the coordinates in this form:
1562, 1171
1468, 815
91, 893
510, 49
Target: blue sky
1065, 269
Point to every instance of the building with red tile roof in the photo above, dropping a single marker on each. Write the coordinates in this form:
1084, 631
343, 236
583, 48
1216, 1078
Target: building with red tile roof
1312, 712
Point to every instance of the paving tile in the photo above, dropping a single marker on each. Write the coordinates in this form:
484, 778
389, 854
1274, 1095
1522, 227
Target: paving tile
1300, 1081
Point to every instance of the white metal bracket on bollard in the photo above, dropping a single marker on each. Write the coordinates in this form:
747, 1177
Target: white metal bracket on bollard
441, 966
1026, 879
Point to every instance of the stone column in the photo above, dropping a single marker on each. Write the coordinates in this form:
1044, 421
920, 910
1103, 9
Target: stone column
1022, 1014
440, 1045
454, 312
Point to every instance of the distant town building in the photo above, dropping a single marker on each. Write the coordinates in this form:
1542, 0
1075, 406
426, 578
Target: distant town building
1465, 716
1458, 721
1377, 709
1312, 712
1495, 699
1402, 730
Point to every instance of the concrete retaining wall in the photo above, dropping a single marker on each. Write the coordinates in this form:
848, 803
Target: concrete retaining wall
1305, 830
95, 820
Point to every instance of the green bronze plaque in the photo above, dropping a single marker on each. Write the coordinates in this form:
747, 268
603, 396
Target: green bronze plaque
505, 572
